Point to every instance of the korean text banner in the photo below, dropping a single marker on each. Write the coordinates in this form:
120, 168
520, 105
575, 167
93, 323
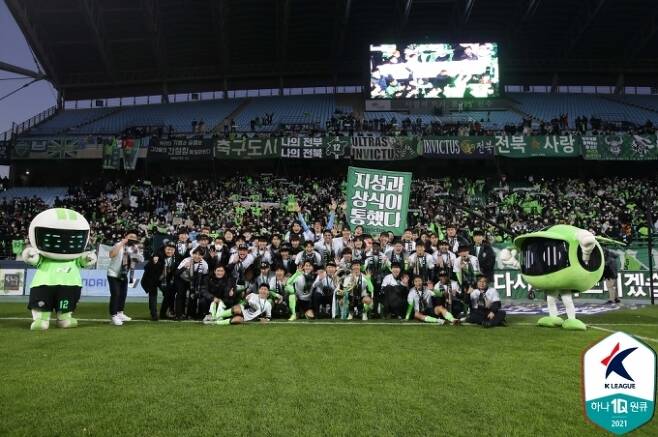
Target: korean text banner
184, 149
458, 147
247, 148
620, 147
313, 147
550, 146
378, 200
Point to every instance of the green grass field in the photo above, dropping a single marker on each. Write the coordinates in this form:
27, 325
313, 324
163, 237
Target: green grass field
307, 378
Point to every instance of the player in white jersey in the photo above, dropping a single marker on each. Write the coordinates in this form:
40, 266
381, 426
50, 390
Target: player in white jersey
419, 302
256, 307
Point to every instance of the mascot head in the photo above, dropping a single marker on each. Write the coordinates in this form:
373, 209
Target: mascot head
59, 233
560, 257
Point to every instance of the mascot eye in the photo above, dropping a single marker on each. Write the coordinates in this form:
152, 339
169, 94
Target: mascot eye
595, 259
543, 255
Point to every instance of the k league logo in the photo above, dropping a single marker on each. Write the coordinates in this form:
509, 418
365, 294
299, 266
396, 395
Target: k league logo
619, 383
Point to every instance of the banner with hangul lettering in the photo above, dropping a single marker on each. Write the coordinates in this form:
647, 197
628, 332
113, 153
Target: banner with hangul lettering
179, 149
378, 200
313, 148
384, 148
458, 147
550, 146
247, 148
620, 147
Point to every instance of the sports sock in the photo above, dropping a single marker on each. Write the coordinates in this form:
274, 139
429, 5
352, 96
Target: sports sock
430, 319
213, 310
448, 316
226, 313
292, 302
223, 322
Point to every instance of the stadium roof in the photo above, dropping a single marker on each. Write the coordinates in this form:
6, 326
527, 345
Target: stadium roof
112, 48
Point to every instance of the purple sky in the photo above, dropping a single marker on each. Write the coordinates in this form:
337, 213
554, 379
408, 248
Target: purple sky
14, 50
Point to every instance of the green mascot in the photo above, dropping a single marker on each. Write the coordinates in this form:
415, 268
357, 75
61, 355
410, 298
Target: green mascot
58, 238
561, 260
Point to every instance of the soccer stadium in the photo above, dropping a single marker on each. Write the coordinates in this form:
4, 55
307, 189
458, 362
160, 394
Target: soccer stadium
328, 217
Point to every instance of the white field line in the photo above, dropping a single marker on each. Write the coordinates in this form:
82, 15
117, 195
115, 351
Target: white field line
598, 328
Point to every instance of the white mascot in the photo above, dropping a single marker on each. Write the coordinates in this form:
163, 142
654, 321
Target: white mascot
58, 238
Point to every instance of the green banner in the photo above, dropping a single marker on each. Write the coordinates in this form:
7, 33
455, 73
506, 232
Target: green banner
385, 148
248, 148
550, 146
314, 147
111, 154
620, 147
378, 200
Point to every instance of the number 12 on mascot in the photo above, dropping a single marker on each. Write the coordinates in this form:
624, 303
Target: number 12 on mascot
58, 238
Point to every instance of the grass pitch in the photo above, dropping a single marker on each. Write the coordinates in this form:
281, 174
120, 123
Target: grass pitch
307, 379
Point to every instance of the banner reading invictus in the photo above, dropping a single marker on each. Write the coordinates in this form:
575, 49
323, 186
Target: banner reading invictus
458, 147
384, 148
550, 146
621, 147
378, 200
180, 149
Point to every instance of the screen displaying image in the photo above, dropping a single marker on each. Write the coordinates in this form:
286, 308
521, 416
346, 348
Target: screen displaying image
455, 70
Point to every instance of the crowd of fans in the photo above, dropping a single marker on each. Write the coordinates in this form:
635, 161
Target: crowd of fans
265, 205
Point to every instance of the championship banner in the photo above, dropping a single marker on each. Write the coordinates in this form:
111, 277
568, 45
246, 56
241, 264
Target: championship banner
384, 148
313, 148
255, 148
458, 147
620, 147
550, 146
183, 149
378, 200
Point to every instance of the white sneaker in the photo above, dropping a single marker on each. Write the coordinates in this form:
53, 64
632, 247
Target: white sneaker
349, 316
116, 320
440, 321
123, 317
364, 316
208, 318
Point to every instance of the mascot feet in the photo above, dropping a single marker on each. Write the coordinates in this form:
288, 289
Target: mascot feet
574, 325
41, 321
66, 320
550, 322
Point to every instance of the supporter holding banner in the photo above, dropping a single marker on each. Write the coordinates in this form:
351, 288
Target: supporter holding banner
378, 200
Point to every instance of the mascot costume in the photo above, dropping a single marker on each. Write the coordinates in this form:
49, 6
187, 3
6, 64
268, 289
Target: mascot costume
561, 260
58, 238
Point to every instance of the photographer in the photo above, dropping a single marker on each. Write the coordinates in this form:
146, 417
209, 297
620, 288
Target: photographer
159, 274
192, 276
323, 290
121, 271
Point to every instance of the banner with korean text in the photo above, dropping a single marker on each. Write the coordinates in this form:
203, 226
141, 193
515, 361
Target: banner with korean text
378, 200
550, 146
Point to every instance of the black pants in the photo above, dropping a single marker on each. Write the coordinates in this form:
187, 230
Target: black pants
118, 294
318, 299
169, 294
180, 297
479, 316
394, 303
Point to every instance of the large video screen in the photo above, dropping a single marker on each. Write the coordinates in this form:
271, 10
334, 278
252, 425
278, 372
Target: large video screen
434, 71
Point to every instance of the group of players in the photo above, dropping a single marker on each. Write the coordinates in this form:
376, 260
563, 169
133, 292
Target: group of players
312, 273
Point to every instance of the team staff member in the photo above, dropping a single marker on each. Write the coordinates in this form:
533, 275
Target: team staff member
159, 274
485, 305
121, 270
256, 307
484, 253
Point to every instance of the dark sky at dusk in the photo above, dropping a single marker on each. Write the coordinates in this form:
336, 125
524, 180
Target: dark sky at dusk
14, 50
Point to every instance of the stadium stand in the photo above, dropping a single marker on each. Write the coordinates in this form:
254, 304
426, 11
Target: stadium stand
548, 106
46, 194
302, 110
71, 120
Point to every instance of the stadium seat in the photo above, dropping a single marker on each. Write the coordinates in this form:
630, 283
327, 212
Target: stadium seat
310, 109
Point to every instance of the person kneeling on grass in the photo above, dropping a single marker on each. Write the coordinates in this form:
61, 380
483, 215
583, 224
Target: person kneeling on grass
355, 294
485, 305
419, 302
300, 290
256, 307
